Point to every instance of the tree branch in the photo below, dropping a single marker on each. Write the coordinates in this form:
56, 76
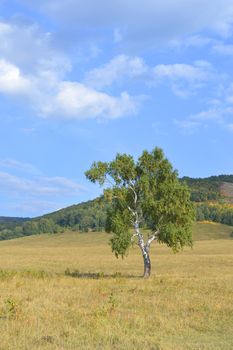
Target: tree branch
151, 239
132, 211
135, 194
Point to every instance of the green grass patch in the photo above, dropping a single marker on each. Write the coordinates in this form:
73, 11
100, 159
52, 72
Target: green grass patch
211, 230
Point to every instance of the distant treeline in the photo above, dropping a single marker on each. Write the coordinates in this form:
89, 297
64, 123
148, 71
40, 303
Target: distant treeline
215, 212
30, 227
82, 217
91, 215
6, 222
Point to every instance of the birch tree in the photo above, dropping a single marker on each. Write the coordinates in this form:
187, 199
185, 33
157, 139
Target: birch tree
146, 192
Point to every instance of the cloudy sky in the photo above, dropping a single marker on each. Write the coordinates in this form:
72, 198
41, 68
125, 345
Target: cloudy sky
82, 80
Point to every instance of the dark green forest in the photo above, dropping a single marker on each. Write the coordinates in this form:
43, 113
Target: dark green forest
217, 213
83, 217
211, 204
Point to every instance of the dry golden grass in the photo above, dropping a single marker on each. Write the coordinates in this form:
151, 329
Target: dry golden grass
187, 303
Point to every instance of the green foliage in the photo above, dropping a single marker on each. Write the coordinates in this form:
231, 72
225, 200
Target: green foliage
176, 236
120, 243
215, 212
150, 190
98, 172
86, 216
118, 222
31, 227
9, 224
165, 199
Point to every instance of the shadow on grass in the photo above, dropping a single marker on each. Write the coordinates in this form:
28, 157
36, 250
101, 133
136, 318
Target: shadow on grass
98, 275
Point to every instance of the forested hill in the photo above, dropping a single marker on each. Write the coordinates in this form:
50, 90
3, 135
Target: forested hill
6, 219
85, 216
213, 197
211, 188
9, 222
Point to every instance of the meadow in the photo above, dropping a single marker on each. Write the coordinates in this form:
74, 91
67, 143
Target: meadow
68, 291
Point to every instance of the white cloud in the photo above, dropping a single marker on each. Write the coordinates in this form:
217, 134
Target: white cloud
219, 116
193, 41
31, 68
31, 65
183, 79
53, 97
5, 28
31, 49
200, 71
11, 79
75, 100
220, 113
62, 182
31, 191
39, 186
140, 23
211, 114
34, 207
20, 166
201, 119
119, 68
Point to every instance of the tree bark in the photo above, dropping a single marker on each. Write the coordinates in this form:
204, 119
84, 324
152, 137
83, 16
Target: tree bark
147, 265
144, 249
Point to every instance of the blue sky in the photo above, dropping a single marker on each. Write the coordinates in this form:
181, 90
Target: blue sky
82, 80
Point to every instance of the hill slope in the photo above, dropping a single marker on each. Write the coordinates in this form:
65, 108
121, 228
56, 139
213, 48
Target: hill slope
210, 188
226, 191
205, 230
83, 216
91, 215
11, 222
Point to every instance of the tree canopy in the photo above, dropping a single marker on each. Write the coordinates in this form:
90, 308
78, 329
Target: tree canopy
147, 190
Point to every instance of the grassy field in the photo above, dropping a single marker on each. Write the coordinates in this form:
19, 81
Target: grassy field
68, 291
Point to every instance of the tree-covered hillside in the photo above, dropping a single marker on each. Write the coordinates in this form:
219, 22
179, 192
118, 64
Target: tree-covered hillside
90, 215
210, 188
86, 216
213, 197
11, 222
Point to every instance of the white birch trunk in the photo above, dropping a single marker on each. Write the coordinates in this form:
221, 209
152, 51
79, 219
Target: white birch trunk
145, 252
